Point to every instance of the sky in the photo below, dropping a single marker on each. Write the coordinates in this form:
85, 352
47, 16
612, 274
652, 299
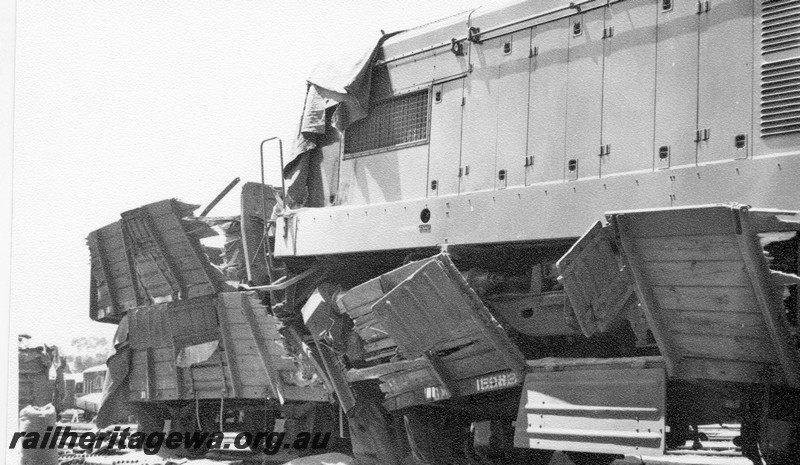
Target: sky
119, 104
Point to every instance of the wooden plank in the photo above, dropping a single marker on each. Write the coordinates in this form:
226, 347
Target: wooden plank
441, 373
140, 220
725, 348
205, 373
239, 331
705, 220
474, 364
734, 325
762, 220
254, 360
480, 315
150, 383
253, 392
227, 343
736, 371
275, 381
644, 292
406, 380
375, 372
382, 344
314, 393
697, 273
362, 295
698, 247
362, 310
196, 247
577, 364
105, 272
569, 259
768, 300
598, 288
707, 298
162, 354
372, 332
112, 239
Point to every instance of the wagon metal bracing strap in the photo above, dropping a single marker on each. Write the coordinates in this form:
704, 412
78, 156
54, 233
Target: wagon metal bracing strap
273, 377
281, 283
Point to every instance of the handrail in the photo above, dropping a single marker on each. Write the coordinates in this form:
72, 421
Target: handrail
267, 247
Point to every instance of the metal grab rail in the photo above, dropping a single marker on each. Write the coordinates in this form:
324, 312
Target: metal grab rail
267, 247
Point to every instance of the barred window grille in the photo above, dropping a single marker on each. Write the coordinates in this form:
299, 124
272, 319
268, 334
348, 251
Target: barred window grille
394, 122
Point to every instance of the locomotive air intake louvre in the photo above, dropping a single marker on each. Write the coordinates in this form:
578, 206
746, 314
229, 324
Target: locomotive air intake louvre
780, 25
780, 97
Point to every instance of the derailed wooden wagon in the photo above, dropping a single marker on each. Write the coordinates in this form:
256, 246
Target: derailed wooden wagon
193, 353
663, 320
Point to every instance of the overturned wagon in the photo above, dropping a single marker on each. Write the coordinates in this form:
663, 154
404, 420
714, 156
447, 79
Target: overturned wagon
193, 353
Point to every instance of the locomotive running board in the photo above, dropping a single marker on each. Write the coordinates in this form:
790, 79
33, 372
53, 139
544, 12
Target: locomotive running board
702, 282
593, 405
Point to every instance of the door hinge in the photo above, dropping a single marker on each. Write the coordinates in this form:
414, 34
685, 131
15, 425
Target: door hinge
460, 171
463, 101
605, 150
456, 47
534, 52
702, 134
608, 32
703, 6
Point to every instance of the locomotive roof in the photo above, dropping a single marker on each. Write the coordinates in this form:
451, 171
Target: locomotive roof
456, 26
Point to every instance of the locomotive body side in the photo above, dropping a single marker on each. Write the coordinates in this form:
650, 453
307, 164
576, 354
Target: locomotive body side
551, 116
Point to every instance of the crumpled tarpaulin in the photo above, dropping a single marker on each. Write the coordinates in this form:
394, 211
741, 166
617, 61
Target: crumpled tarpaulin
343, 84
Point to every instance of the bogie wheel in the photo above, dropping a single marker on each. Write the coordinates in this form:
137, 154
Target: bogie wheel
779, 443
586, 458
436, 436
149, 419
185, 420
499, 449
529, 457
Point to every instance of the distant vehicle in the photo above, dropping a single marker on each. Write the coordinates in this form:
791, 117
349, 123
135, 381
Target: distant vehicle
71, 415
40, 374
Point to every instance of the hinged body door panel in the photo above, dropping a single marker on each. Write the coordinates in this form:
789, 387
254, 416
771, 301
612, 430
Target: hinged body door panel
676, 85
629, 86
596, 283
584, 94
481, 98
726, 73
445, 139
713, 306
548, 102
512, 113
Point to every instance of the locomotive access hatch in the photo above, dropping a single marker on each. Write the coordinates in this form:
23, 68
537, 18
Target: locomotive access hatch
703, 283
